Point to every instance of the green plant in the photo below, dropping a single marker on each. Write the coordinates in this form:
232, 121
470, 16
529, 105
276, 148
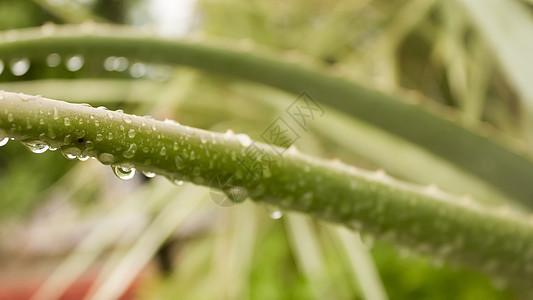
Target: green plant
373, 125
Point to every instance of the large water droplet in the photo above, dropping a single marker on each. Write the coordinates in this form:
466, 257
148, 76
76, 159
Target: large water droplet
36, 147
244, 139
124, 173
20, 67
4, 141
83, 157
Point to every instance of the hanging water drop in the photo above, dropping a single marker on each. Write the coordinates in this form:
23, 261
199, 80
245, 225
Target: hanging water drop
148, 174
36, 147
236, 193
124, 173
83, 157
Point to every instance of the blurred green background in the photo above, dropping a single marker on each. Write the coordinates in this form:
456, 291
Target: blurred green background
71, 230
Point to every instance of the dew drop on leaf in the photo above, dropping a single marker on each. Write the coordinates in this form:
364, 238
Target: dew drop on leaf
124, 173
106, 158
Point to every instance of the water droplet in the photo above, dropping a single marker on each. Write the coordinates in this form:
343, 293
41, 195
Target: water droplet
276, 214
71, 152
75, 63
99, 137
83, 157
163, 151
131, 133
180, 164
10, 117
36, 147
4, 141
236, 193
20, 67
179, 182
55, 113
127, 119
109, 135
109, 63
148, 174
53, 60
66, 121
203, 139
131, 151
138, 70
244, 139
124, 173
106, 158
110, 114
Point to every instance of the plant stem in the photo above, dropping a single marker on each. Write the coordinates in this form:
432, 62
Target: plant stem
493, 161
422, 219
